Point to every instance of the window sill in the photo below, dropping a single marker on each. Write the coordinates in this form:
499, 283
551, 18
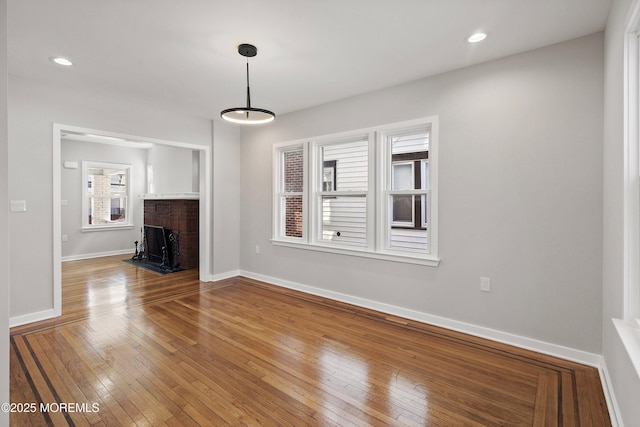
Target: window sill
630, 336
408, 259
106, 228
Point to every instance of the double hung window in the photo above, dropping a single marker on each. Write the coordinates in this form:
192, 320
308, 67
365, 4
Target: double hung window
106, 195
341, 196
369, 192
409, 189
290, 192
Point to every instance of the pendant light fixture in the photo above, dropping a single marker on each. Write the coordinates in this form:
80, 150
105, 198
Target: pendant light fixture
247, 115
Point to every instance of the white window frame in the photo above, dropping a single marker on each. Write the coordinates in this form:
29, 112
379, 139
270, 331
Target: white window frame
424, 165
628, 327
128, 224
377, 194
386, 184
632, 176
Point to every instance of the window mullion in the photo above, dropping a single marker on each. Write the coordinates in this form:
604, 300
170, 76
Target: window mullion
312, 185
379, 191
306, 233
371, 193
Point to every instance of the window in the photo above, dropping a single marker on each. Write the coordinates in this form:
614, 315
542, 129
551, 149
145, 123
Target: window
408, 189
342, 204
290, 183
369, 192
106, 196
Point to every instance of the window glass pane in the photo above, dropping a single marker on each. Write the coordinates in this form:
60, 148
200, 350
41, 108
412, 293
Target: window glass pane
407, 235
402, 176
105, 210
408, 238
293, 216
329, 176
293, 171
402, 209
118, 182
410, 143
344, 219
351, 169
106, 181
118, 209
425, 174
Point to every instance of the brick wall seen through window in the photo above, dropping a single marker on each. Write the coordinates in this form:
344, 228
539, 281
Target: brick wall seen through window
293, 177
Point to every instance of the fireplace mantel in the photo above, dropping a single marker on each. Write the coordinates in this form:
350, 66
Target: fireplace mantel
170, 196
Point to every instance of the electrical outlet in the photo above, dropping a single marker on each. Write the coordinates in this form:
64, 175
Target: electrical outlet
257, 249
65, 238
485, 284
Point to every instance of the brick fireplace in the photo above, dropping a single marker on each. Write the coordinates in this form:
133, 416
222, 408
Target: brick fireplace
179, 216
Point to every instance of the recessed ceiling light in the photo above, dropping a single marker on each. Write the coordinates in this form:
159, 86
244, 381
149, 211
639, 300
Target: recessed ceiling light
62, 61
477, 37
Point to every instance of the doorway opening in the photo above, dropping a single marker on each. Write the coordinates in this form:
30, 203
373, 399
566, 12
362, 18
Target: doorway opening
200, 181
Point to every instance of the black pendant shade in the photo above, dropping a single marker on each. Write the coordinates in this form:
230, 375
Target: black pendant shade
247, 115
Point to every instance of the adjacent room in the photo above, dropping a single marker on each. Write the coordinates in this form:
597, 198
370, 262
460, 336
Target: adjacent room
331, 213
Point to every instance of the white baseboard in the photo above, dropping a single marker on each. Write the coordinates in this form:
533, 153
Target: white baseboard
226, 275
96, 255
31, 317
556, 350
609, 396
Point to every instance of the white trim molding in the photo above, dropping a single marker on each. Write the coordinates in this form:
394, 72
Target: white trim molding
96, 255
609, 396
226, 275
31, 317
630, 336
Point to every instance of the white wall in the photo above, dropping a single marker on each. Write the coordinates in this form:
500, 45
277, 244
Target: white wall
4, 220
172, 169
226, 199
33, 108
520, 196
625, 381
96, 242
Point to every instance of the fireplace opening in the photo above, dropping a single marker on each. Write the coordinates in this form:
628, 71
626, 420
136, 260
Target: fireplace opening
161, 247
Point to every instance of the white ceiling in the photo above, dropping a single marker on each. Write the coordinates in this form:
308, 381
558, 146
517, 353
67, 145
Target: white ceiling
309, 52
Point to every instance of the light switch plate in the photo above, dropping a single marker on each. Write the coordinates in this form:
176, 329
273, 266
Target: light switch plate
18, 206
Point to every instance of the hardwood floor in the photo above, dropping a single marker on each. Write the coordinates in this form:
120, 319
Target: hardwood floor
137, 348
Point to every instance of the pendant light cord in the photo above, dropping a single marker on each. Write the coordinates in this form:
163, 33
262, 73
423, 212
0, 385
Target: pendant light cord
248, 93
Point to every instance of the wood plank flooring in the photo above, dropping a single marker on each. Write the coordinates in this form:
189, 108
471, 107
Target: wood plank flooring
137, 348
